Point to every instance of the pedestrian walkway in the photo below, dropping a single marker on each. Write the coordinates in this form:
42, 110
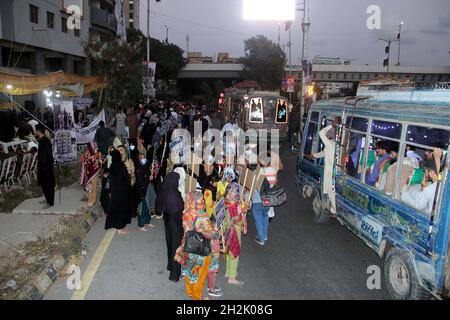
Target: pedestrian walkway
67, 201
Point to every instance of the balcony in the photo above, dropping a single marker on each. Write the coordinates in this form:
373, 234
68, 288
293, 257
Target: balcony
104, 19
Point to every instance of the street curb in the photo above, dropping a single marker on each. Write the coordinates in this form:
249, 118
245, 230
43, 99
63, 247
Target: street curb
39, 286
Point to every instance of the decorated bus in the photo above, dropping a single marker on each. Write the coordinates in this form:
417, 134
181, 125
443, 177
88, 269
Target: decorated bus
390, 178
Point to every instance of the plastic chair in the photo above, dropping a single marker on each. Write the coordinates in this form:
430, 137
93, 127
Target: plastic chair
10, 173
23, 173
33, 167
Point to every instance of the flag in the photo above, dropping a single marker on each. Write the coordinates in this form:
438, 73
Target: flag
288, 25
387, 49
385, 62
398, 36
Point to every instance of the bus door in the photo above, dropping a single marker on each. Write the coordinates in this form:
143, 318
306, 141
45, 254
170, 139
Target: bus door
309, 170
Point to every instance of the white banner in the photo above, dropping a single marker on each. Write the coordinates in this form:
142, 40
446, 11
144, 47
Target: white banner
87, 134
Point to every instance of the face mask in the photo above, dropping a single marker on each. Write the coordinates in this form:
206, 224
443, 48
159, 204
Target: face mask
132, 147
143, 161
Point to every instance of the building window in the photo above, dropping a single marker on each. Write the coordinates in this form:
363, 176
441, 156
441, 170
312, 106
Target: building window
64, 25
76, 32
50, 20
34, 14
131, 15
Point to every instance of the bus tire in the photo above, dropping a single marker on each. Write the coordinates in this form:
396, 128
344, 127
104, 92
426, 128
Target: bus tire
320, 215
401, 279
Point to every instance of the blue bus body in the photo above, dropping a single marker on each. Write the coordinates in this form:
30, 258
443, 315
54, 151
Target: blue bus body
380, 220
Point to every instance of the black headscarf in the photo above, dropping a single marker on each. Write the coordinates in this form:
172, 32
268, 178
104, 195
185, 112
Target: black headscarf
117, 168
169, 198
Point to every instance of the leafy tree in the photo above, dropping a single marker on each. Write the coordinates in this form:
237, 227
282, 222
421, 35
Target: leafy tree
219, 87
207, 92
264, 62
168, 57
121, 65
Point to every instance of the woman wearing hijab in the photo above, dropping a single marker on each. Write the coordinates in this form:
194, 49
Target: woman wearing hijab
118, 212
170, 204
235, 223
129, 164
90, 168
145, 191
195, 268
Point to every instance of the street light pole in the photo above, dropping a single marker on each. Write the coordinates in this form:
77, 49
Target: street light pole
290, 60
306, 23
399, 40
389, 42
148, 46
167, 34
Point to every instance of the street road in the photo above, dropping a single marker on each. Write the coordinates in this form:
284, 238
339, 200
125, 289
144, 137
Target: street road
301, 260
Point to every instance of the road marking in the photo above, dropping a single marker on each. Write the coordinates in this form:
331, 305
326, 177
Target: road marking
94, 265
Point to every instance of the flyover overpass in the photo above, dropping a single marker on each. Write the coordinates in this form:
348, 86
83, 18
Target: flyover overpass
325, 73
353, 73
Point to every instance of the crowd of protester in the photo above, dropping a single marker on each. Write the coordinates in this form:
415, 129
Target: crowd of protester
139, 181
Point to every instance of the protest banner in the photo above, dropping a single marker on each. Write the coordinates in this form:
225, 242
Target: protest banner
87, 134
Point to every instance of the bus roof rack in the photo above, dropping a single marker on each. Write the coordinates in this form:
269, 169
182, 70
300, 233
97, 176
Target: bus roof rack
356, 99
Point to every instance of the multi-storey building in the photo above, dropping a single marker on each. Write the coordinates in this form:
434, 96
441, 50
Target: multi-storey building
131, 13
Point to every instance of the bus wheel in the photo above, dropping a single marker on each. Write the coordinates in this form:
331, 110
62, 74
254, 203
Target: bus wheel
320, 214
401, 279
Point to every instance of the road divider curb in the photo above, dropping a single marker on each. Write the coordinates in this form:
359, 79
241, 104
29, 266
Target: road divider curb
39, 285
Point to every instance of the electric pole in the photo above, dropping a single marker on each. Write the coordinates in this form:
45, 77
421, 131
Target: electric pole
148, 47
399, 40
187, 46
306, 24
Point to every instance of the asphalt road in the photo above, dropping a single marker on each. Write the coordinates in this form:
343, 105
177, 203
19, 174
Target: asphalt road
301, 260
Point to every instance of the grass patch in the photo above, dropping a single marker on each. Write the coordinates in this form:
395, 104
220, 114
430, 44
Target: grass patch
19, 267
66, 175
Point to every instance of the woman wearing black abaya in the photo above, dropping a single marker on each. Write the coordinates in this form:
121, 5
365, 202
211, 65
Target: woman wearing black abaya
170, 203
119, 214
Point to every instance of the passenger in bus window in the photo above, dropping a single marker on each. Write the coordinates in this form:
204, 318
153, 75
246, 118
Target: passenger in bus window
355, 154
410, 163
422, 196
411, 153
435, 155
382, 151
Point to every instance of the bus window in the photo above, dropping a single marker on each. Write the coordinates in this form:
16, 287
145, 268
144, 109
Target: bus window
354, 153
358, 124
354, 138
315, 117
256, 113
378, 161
430, 137
386, 129
422, 167
311, 141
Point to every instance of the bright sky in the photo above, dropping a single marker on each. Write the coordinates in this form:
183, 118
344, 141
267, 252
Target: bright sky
338, 29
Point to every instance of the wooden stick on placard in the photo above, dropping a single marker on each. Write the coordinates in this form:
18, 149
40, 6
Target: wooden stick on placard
255, 177
243, 184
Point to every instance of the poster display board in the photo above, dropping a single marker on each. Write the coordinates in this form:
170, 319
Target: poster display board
256, 113
65, 141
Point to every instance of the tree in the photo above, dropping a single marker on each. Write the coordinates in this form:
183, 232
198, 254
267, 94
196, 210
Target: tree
168, 57
219, 87
264, 62
121, 65
207, 92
